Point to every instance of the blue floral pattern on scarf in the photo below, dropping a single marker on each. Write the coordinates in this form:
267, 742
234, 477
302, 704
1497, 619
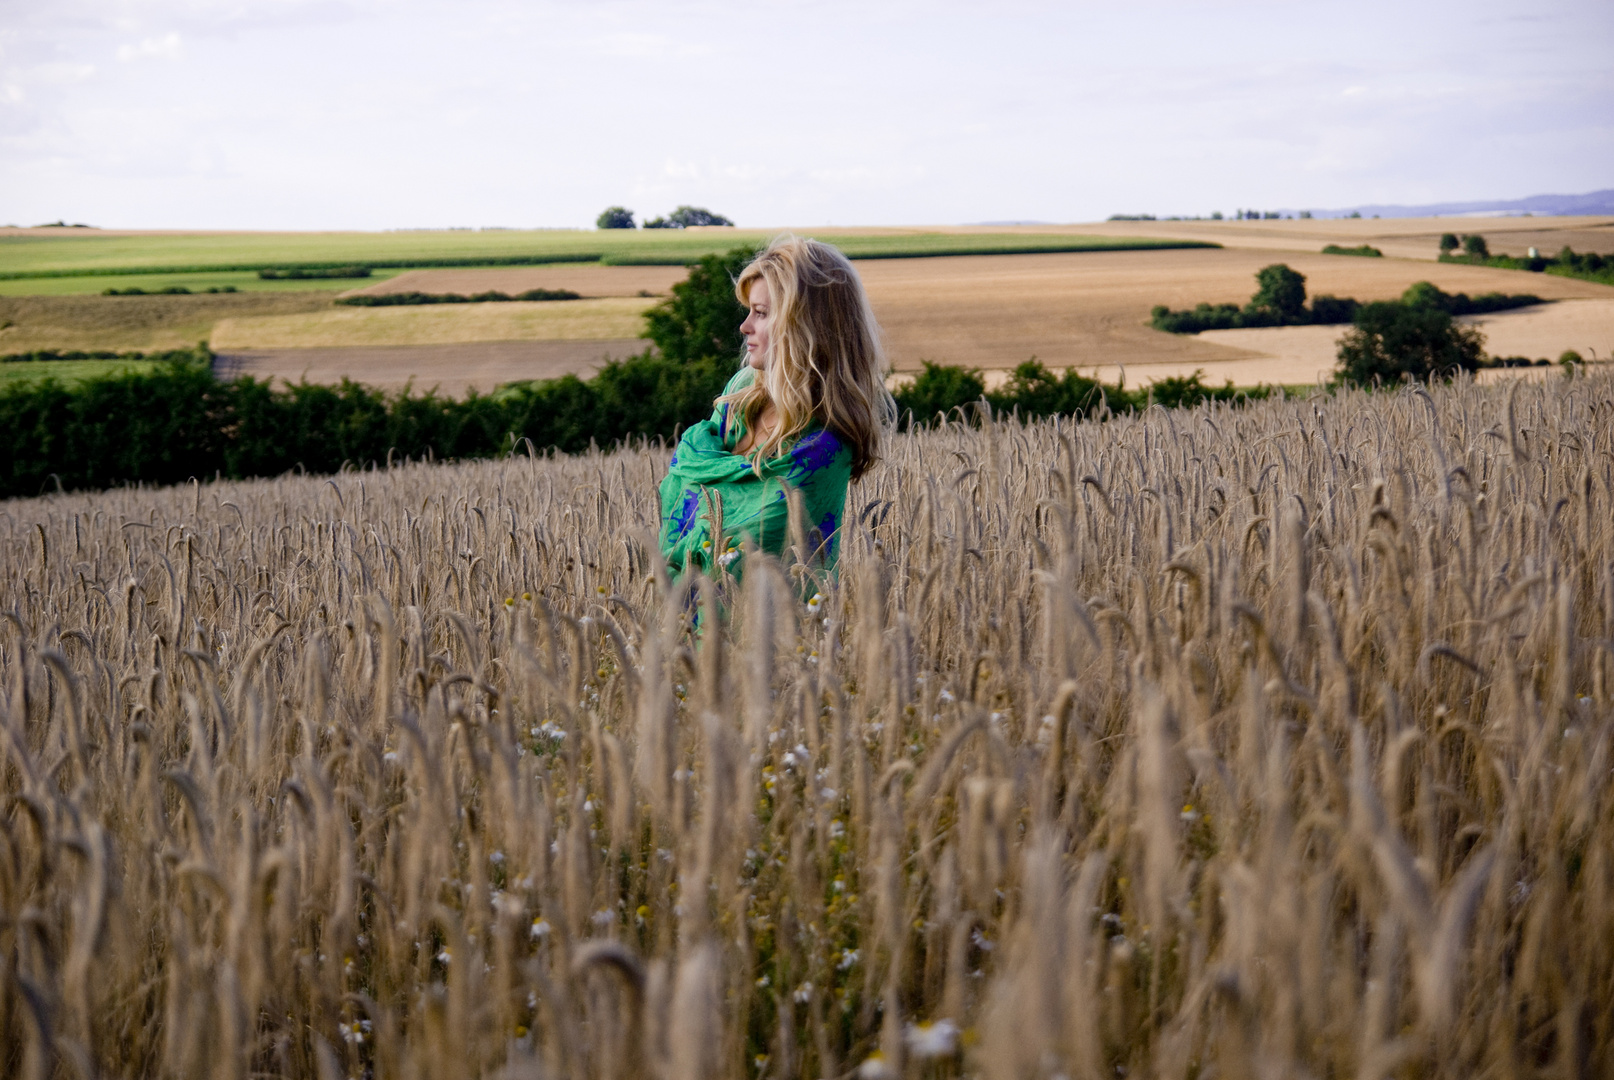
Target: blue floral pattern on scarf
684, 520
815, 450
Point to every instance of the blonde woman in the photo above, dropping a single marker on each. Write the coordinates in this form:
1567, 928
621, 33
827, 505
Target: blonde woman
808, 412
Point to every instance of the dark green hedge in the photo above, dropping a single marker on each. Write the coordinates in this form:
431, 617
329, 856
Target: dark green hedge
177, 421
493, 296
1033, 391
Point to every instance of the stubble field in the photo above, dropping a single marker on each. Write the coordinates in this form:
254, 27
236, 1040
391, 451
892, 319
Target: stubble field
1273, 741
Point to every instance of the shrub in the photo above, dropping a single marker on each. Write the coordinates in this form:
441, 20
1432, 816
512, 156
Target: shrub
1427, 294
1033, 390
1367, 250
1448, 243
1475, 248
135, 290
1202, 317
701, 319
614, 217
1392, 341
938, 389
1333, 310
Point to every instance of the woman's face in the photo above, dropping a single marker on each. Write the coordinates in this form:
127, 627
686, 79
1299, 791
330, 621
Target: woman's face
755, 327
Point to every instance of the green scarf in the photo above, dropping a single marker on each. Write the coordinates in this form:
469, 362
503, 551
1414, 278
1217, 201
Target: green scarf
705, 468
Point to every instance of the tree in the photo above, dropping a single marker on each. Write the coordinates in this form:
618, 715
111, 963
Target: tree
701, 319
1448, 243
614, 217
687, 217
1281, 291
1475, 247
1393, 341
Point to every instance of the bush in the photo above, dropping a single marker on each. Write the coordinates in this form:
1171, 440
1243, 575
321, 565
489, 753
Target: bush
1427, 294
1033, 390
1367, 250
1448, 243
1392, 341
1333, 310
701, 319
614, 217
135, 290
165, 356
936, 390
1475, 248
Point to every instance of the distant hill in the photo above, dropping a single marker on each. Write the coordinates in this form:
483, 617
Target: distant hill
1596, 202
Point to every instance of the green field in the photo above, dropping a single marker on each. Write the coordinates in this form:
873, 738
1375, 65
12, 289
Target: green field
54, 257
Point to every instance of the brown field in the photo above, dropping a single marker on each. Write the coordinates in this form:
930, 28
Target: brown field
1292, 355
1259, 742
601, 319
994, 311
1082, 309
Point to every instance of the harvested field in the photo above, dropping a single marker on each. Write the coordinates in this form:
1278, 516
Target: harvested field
1301, 354
609, 318
452, 369
1408, 238
1082, 310
1260, 742
587, 279
135, 322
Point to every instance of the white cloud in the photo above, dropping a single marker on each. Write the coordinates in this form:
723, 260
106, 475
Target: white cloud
167, 47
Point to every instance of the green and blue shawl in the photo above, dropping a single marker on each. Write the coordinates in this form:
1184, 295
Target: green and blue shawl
705, 468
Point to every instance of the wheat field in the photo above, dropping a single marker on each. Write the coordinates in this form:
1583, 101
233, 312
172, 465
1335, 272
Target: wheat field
1259, 742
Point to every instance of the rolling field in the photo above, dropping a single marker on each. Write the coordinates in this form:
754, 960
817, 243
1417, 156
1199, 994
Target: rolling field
1260, 742
1087, 309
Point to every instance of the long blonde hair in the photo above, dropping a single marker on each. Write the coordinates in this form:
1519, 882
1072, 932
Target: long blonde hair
824, 361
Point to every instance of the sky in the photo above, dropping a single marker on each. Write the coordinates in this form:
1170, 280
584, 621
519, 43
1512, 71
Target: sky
382, 114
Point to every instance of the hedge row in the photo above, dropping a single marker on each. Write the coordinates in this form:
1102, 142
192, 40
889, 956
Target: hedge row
302, 273
492, 296
1032, 391
1280, 300
42, 355
177, 421
1567, 263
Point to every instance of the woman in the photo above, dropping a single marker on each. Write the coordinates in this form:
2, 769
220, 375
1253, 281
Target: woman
807, 412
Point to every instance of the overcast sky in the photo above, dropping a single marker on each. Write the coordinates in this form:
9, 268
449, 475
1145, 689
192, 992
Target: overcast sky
371, 114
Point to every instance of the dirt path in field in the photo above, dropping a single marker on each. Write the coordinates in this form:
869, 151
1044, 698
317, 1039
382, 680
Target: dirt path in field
452, 369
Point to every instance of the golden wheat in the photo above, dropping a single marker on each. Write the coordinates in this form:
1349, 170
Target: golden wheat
1273, 741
